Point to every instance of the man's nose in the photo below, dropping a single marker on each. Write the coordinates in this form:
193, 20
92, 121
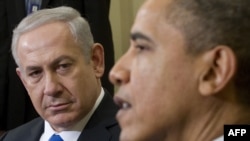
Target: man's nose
120, 73
52, 85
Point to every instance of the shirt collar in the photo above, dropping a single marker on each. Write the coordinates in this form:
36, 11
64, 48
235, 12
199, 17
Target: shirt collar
221, 138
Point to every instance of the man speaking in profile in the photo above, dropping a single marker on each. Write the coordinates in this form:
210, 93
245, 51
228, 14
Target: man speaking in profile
186, 73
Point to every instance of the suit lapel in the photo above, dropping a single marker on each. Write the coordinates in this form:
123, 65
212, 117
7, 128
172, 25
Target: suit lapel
99, 133
37, 130
100, 122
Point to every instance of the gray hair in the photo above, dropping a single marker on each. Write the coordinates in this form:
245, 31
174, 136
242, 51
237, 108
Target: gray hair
78, 26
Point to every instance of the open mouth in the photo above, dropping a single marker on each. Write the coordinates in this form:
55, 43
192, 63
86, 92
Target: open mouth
122, 103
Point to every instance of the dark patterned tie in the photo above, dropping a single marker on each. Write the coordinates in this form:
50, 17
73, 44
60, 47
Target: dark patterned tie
33, 5
55, 137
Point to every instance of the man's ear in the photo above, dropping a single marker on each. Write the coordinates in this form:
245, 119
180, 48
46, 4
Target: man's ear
19, 73
220, 67
97, 58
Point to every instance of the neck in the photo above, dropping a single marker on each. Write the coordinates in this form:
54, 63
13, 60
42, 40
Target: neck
206, 122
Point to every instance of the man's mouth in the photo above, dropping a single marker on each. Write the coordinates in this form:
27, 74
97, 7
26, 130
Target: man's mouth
59, 106
125, 105
122, 103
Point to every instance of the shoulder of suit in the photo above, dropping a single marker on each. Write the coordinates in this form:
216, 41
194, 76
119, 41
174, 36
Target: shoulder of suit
23, 130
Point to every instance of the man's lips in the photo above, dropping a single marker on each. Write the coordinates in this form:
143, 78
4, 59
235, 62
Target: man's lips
125, 111
59, 106
122, 103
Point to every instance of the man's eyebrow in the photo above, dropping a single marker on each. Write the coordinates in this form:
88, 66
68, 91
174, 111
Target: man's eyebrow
138, 35
57, 60
31, 68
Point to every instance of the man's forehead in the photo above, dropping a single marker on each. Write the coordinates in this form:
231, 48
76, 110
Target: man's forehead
156, 5
150, 15
153, 10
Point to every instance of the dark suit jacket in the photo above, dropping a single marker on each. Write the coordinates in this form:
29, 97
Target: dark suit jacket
102, 126
15, 105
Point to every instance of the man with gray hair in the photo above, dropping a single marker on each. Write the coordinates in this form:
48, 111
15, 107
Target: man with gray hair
61, 67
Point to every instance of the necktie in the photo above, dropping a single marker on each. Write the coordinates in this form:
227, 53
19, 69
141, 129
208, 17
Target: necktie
33, 5
55, 137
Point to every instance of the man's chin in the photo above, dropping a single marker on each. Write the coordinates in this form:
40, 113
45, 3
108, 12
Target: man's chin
130, 135
61, 121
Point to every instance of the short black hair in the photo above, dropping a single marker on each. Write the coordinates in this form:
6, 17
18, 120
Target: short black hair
208, 23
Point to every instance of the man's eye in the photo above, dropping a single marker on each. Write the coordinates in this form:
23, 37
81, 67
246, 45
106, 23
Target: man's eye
140, 48
35, 73
64, 67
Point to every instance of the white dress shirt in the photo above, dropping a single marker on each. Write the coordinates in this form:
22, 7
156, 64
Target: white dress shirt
221, 138
74, 134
